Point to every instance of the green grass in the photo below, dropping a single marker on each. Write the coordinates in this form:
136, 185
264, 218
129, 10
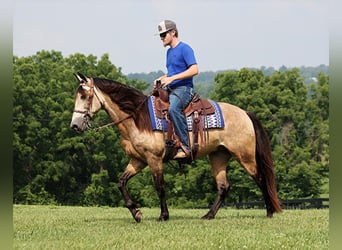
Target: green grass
61, 227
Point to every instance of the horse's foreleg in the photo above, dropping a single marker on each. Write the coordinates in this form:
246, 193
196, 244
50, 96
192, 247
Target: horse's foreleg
131, 170
160, 187
218, 162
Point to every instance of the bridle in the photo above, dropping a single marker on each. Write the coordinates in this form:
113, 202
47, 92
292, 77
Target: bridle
87, 113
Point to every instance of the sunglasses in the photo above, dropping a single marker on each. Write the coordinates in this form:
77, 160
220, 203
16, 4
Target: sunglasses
163, 35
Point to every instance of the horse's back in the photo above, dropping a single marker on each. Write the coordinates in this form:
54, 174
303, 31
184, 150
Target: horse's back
236, 119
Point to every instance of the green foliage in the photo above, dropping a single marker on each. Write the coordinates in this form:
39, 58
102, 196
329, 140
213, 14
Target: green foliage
50, 160
101, 190
35, 194
204, 81
54, 165
147, 78
295, 116
191, 187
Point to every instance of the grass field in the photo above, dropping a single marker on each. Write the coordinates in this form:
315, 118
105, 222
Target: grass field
62, 227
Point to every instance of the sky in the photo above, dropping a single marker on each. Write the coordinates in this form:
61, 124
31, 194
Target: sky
229, 34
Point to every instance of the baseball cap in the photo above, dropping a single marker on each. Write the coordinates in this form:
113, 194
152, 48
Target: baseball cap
165, 26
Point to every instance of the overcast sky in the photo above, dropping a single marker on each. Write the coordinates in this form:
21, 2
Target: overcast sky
228, 34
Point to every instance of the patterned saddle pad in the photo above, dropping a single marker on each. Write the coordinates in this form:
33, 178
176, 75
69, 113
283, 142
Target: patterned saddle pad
214, 120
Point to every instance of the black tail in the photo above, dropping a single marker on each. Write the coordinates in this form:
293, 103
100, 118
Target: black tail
266, 177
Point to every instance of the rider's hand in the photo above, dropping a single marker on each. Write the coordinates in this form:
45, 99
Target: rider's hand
155, 82
166, 81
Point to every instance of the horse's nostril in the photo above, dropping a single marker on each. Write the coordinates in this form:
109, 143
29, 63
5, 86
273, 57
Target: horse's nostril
74, 127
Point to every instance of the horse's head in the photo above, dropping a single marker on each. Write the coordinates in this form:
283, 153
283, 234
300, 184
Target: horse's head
87, 103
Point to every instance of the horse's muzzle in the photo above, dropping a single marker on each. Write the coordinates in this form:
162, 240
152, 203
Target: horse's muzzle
80, 123
75, 127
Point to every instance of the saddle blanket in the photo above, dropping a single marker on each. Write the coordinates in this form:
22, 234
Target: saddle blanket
214, 120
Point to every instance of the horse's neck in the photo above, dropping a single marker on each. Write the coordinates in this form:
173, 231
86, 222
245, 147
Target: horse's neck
119, 117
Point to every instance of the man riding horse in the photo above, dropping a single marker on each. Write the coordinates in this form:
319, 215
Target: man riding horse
181, 67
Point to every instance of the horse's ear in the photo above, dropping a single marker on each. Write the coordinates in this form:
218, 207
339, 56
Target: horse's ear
81, 77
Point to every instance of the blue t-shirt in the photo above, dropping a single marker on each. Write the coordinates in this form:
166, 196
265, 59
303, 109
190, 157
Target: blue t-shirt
179, 59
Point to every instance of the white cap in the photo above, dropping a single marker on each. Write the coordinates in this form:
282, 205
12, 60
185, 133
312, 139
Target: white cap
165, 26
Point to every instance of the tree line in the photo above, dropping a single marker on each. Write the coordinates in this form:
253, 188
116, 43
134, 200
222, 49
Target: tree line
54, 165
204, 81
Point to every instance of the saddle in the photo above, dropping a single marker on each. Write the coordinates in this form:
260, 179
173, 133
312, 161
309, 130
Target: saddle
198, 108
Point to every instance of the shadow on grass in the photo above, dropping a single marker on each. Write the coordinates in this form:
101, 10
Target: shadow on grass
151, 215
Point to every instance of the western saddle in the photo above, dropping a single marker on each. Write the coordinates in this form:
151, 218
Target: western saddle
198, 108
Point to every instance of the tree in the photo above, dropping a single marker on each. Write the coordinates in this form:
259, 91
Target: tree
281, 101
49, 158
54, 165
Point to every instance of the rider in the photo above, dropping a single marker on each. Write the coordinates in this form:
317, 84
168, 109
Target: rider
181, 67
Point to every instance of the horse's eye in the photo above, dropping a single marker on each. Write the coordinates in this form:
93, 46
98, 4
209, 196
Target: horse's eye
83, 97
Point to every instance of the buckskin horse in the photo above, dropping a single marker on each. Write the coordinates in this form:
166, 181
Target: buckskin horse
243, 137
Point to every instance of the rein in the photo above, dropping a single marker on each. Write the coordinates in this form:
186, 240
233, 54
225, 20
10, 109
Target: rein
119, 121
112, 123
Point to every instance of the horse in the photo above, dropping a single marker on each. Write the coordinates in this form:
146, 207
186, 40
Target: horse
243, 137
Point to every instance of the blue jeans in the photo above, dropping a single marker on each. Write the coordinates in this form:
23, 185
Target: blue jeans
179, 98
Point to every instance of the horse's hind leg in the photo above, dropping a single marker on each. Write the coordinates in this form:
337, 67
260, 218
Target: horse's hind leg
133, 167
260, 181
218, 160
265, 181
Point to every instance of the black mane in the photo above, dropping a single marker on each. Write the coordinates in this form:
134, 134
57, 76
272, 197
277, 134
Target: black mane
129, 100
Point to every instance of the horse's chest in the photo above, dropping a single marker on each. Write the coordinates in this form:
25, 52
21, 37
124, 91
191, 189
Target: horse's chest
131, 149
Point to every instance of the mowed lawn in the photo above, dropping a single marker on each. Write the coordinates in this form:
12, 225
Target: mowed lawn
63, 227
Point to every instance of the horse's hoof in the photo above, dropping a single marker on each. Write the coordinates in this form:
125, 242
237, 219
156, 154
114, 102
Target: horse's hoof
270, 215
138, 216
163, 218
208, 217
